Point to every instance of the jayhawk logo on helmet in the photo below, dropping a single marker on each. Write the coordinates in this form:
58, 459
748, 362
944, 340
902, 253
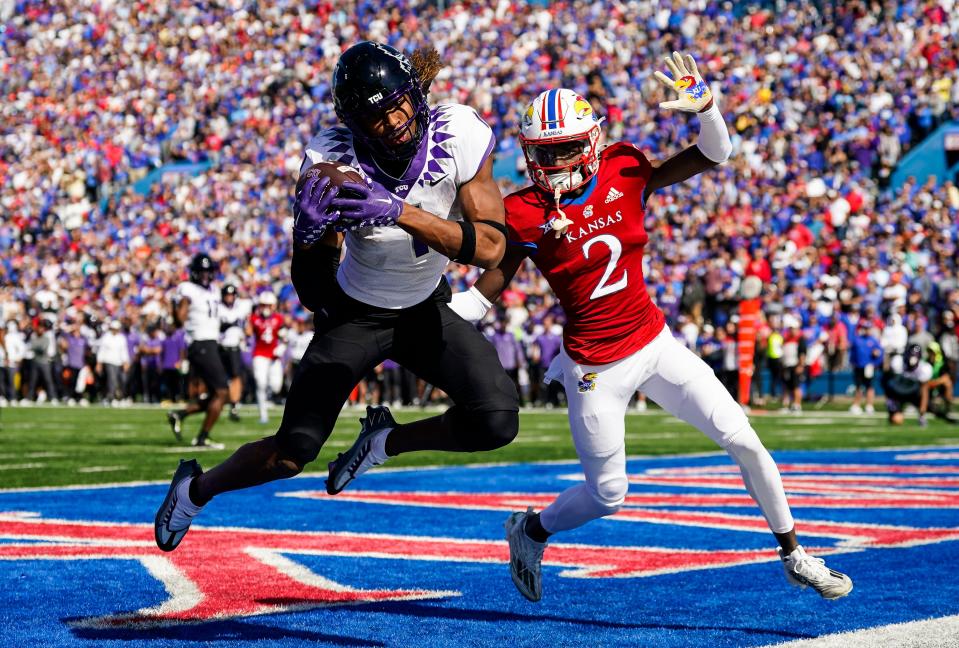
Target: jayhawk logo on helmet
582, 108
528, 117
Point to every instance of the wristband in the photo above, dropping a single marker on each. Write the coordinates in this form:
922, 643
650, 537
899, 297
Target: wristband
468, 246
470, 305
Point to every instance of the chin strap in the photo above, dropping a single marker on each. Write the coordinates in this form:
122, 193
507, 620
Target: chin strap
559, 224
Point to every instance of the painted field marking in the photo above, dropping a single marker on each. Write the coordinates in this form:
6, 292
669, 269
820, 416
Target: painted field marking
23, 466
31, 455
931, 633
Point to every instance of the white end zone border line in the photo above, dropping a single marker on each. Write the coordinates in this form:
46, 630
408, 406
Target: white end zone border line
492, 464
930, 633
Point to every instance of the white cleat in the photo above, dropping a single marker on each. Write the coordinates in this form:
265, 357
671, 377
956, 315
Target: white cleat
802, 570
208, 444
360, 457
855, 409
174, 516
525, 557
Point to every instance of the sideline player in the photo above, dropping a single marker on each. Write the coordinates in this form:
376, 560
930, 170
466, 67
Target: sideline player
264, 326
195, 309
911, 380
429, 197
581, 223
233, 314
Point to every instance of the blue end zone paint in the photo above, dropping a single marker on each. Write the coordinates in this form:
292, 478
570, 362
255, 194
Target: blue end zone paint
748, 605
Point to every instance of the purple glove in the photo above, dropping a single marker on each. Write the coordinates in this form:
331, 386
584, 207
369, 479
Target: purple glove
312, 212
366, 205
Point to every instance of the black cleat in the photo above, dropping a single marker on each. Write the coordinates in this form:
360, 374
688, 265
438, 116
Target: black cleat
176, 424
168, 539
358, 459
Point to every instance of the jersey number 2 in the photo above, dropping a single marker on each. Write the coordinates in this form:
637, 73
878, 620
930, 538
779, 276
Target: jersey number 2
615, 250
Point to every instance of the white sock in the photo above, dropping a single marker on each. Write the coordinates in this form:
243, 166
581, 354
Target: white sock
378, 447
261, 401
185, 509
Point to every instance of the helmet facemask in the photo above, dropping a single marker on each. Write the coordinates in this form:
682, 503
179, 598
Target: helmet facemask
386, 146
562, 163
202, 270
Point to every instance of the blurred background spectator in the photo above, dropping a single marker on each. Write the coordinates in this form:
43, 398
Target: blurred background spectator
823, 100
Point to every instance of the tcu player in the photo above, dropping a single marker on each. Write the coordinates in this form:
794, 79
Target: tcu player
581, 223
195, 309
429, 197
264, 326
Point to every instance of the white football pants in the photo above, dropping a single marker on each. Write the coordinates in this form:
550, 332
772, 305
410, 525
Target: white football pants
682, 384
268, 375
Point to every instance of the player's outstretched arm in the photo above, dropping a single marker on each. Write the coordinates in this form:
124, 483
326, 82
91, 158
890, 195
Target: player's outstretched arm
480, 238
473, 304
713, 146
181, 308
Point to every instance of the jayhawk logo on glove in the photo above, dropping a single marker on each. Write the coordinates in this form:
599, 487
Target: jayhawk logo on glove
694, 94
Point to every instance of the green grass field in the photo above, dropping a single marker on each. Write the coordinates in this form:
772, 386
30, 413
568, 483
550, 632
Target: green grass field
54, 446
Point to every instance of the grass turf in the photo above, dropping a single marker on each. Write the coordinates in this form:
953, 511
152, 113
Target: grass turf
54, 446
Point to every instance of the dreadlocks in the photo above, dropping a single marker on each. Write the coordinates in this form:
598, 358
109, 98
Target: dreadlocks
427, 62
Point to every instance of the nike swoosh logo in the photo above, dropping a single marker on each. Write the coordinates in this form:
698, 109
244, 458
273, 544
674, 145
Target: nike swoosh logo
435, 182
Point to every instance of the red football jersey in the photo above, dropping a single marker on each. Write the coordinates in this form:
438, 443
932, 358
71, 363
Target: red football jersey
265, 331
596, 268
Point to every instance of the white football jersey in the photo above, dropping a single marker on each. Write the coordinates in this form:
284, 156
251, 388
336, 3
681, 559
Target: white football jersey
385, 266
234, 317
921, 373
299, 343
202, 320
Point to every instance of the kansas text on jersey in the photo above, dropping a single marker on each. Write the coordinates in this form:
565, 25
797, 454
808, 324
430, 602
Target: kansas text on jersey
596, 268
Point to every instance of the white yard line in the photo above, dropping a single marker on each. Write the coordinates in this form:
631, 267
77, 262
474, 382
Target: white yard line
23, 466
931, 633
100, 469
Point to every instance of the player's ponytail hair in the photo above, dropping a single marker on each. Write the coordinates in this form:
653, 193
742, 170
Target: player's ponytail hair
427, 62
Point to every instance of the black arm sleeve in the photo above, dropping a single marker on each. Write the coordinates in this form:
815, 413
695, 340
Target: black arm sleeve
313, 273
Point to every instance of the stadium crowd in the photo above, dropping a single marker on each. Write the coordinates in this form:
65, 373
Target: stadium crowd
822, 100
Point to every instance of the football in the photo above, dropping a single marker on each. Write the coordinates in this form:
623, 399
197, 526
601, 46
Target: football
337, 173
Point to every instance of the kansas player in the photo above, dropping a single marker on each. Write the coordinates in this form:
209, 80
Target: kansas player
264, 326
196, 310
581, 223
429, 197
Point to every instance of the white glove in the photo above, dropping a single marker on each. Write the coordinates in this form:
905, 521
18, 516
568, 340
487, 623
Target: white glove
470, 305
694, 94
